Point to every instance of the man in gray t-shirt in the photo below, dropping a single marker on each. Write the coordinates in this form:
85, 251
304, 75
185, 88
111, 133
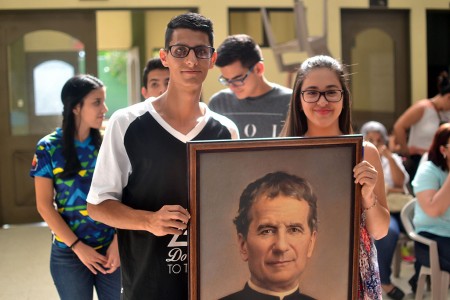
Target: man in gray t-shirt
257, 106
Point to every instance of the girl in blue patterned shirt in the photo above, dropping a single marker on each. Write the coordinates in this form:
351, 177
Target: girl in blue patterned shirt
84, 252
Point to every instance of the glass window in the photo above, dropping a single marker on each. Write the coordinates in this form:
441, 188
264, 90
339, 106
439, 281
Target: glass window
112, 70
48, 92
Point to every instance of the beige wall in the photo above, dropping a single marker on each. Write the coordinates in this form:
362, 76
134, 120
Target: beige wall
114, 30
155, 26
217, 11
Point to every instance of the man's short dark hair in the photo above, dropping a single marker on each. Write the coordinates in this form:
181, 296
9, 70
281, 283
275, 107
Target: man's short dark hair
152, 64
192, 21
271, 186
239, 47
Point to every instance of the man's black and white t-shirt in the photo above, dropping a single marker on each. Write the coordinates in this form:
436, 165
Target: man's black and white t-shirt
143, 163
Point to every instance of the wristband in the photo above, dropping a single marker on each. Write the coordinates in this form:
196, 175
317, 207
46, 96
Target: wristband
74, 243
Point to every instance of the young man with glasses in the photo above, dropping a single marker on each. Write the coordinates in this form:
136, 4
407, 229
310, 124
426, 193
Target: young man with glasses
257, 106
140, 181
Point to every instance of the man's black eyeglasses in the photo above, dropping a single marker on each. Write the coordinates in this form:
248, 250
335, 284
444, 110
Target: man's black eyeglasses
181, 51
236, 82
312, 96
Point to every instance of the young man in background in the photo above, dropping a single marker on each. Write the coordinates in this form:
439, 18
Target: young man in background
155, 78
257, 106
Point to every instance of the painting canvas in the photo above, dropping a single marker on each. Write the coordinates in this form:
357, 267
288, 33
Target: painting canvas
218, 173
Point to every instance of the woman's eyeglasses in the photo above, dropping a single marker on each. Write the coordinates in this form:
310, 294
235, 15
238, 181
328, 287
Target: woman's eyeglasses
312, 96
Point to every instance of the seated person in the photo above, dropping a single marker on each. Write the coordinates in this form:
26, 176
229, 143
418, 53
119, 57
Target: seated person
396, 179
276, 227
432, 213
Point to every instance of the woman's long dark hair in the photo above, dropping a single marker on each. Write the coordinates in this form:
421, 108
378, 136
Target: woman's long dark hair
73, 93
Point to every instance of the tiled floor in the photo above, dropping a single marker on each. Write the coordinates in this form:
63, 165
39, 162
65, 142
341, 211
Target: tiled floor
24, 265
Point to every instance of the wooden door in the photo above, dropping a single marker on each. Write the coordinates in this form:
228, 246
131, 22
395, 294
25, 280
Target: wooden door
39, 50
375, 44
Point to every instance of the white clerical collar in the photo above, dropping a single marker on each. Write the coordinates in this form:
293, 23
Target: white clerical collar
281, 295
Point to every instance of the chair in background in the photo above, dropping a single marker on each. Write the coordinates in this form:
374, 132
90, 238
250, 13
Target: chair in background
397, 259
396, 201
279, 49
439, 279
312, 45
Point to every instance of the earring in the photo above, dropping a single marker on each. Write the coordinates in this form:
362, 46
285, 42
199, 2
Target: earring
444, 155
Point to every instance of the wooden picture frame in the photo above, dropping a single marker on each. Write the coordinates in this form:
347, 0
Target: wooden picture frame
218, 173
